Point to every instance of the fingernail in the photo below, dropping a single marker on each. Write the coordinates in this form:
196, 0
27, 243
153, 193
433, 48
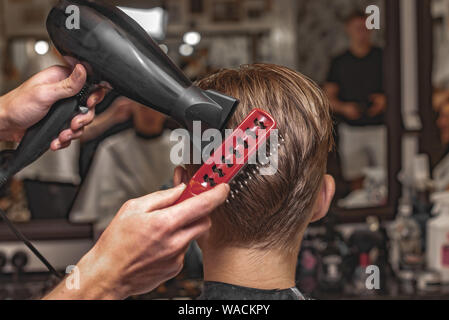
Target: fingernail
182, 186
69, 137
76, 73
226, 186
80, 124
58, 145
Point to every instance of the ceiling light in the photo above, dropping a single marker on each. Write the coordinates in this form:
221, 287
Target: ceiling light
186, 50
41, 47
192, 38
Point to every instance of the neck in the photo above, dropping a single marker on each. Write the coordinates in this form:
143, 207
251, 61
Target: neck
360, 49
258, 269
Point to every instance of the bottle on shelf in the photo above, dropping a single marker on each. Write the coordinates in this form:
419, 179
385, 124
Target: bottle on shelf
406, 241
438, 237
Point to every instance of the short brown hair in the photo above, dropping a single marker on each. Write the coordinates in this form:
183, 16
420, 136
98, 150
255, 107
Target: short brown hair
271, 209
357, 14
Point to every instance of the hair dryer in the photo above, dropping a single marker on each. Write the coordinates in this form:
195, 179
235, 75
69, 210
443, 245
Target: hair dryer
116, 50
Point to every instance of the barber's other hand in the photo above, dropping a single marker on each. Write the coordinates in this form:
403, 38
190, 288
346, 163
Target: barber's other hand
379, 104
350, 111
145, 244
121, 110
28, 104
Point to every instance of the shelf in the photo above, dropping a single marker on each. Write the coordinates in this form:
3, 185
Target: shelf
45, 230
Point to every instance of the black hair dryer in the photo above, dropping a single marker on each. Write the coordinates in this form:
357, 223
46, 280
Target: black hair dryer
116, 50
119, 51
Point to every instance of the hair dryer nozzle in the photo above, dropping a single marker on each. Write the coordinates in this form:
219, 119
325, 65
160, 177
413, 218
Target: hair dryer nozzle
212, 108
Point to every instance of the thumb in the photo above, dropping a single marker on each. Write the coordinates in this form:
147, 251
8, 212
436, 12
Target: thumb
161, 199
70, 86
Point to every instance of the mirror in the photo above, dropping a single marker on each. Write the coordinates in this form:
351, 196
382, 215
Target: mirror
347, 58
434, 78
355, 87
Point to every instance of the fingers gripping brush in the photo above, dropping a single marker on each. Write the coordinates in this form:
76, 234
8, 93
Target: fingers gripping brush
238, 150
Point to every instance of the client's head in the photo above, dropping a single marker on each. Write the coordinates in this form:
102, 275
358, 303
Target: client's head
272, 212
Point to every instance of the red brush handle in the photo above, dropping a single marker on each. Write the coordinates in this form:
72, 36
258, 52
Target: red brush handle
233, 155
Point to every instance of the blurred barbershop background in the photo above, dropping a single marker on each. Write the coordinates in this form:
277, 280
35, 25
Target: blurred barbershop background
389, 88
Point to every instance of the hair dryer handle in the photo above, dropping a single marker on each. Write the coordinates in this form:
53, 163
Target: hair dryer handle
58, 119
37, 140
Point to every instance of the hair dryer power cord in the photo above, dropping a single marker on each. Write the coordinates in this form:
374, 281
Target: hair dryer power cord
30, 246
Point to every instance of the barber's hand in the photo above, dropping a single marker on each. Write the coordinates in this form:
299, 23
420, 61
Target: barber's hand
379, 104
121, 110
28, 104
145, 244
350, 111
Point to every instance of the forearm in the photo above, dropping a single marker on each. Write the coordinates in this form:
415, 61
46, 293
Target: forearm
332, 91
3, 122
7, 132
337, 105
98, 126
94, 284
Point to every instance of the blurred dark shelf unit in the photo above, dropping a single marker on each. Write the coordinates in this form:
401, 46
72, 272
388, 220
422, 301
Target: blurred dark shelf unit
359, 215
44, 230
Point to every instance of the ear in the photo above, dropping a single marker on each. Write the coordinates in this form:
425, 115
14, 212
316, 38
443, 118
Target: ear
180, 176
324, 199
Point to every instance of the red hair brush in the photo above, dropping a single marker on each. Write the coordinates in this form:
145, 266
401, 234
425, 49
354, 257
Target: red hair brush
233, 155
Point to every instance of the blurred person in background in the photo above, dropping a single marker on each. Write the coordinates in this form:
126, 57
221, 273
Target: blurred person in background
355, 87
441, 170
440, 72
197, 66
112, 117
126, 165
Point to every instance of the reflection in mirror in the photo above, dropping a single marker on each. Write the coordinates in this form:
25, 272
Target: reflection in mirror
440, 98
353, 79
